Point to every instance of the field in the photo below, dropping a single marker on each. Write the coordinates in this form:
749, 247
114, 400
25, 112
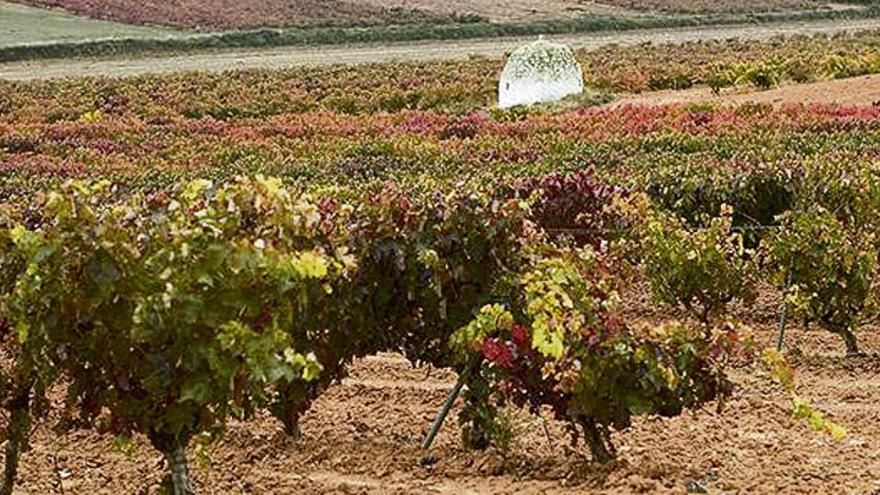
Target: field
322, 56
222, 29
268, 281
20, 25
510, 10
227, 14
273, 13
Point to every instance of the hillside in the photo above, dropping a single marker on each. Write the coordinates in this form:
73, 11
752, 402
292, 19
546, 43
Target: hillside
232, 14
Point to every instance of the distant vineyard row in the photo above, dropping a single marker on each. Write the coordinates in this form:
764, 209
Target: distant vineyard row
457, 27
447, 86
680, 155
227, 14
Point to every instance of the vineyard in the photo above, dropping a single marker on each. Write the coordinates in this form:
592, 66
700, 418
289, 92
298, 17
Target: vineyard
274, 13
446, 86
268, 281
233, 15
62, 30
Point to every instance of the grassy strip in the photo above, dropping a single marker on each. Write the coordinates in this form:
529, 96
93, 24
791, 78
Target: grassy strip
400, 33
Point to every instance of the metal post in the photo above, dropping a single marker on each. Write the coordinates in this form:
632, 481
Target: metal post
450, 399
780, 339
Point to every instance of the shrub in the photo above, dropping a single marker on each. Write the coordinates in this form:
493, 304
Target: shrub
831, 269
757, 195
577, 205
557, 342
700, 269
426, 263
849, 190
671, 80
842, 67
764, 75
23, 379
800, 70
167, 317
720, 78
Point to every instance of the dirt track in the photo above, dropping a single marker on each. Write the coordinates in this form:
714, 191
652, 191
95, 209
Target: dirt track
855, 91
363, 54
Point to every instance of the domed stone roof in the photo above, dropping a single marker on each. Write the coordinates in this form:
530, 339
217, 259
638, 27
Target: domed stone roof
539, 72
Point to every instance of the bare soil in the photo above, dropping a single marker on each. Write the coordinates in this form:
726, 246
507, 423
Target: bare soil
725, 6
856, 91
363, 437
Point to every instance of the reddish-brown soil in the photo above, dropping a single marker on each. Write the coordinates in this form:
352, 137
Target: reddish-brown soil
727, 6
363, 437
864, 90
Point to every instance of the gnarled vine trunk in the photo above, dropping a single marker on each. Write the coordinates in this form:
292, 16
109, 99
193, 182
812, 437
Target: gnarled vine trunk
479, 414
597, 440
852, 346
849, 338
293, 400
173, 448
17, 433
181, 483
